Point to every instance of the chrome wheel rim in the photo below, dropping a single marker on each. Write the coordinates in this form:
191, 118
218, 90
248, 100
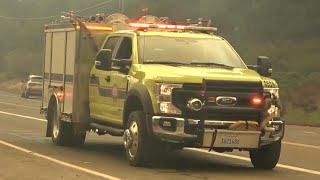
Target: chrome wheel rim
56, 125
133, 143
127, 139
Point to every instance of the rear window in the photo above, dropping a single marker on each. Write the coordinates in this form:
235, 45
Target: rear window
37, 79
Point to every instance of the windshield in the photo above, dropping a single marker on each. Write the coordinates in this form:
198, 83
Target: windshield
183, 50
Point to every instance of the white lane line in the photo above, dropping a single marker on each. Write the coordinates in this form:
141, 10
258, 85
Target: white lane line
301, 145
308, 171
11, 104
310, 132
22, 116
60, 162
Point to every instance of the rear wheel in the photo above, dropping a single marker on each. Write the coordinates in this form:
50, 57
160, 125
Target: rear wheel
138, 144
25, 94
62, 132
267, 156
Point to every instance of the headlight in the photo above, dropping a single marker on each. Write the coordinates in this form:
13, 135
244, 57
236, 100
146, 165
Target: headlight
274, 92
164, 102
275, 107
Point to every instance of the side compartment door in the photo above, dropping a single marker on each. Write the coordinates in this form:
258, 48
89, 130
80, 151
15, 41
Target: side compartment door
101, 89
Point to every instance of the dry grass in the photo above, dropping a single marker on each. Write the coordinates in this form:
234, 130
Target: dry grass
13, 85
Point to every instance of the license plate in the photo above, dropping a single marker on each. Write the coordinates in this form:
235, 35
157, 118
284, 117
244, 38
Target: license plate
227, 140
231, 139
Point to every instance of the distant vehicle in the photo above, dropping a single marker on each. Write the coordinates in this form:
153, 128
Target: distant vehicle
32, 86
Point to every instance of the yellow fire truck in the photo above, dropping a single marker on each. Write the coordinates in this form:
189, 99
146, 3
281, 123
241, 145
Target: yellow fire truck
157, 84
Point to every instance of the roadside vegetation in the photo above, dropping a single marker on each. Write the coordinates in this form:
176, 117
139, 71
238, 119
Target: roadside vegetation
286, 31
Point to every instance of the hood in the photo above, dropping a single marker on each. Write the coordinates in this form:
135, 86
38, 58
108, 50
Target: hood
192, 74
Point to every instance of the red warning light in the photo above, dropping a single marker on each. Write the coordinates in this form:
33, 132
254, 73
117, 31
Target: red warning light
256, 100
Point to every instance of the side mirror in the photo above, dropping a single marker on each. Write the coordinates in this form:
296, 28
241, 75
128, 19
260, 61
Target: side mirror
103, 59
125, 65
97, 64
264, 66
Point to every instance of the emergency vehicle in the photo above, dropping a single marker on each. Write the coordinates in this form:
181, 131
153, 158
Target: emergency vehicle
159, 85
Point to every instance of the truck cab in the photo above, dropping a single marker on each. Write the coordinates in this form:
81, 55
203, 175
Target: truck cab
172, 86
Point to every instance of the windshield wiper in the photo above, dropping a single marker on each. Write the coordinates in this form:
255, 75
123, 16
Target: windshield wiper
164, 62
211, 64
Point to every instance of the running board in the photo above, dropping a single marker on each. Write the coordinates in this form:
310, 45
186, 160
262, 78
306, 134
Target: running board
110, 130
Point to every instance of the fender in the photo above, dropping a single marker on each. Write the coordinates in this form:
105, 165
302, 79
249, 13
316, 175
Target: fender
142, 93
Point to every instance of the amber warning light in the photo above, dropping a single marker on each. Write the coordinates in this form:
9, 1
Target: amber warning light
96, 27
60, 94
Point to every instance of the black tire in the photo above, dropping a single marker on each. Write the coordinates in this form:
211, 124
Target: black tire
62, 132
78, 140
139, 147
267, 156
22, 94
26, 94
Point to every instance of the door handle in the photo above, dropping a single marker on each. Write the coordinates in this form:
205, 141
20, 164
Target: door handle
108, 78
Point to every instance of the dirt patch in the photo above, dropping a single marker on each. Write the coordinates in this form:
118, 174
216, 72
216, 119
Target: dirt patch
13, 86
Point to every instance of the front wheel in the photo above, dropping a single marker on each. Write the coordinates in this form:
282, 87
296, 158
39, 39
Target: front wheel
136, 140
267, 156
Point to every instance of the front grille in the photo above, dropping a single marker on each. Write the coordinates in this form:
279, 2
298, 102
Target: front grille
225, 86
233, 86
242, 91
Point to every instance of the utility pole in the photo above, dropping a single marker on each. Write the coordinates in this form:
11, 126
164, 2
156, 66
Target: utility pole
121, 6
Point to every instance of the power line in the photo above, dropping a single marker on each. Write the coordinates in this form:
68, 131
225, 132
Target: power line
93, 6
49, 17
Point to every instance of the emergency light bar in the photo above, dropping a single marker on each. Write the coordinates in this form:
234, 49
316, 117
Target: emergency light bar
100, 27
177, 27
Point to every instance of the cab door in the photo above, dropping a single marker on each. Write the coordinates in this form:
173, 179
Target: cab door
101, 88
119, 78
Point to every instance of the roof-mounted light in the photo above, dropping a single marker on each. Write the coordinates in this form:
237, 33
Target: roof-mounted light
96, 27
172, 27
138, 25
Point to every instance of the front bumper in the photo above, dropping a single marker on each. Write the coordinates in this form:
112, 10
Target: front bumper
173, 129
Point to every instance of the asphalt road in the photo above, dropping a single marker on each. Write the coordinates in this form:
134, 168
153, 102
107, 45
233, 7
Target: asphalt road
25, 153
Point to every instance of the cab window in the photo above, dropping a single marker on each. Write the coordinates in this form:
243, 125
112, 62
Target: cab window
124, 54
125, 49
112, 44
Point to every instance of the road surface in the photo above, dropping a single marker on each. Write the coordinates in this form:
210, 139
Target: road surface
26, 153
